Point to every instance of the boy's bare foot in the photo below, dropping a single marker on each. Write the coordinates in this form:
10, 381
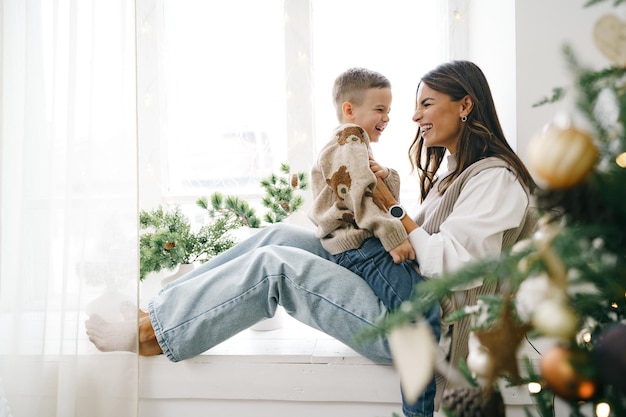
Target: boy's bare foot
148, 345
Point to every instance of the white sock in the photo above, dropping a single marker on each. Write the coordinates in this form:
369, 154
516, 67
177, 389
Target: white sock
130, 311
112, 336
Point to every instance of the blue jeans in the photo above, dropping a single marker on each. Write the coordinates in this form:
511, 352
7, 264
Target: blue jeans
392, 283
281, 264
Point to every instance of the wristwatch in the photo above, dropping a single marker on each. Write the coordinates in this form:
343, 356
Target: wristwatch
397, 211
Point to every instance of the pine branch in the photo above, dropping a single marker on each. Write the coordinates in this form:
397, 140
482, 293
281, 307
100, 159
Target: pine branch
594, 2
280, 198
557, 94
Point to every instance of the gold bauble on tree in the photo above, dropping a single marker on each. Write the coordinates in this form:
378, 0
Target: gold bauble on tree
561, 157
561, 370
609, 33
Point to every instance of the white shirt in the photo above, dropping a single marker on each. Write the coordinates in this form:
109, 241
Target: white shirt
491, 202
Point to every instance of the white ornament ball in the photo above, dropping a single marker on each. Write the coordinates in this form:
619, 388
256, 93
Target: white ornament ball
480, 363
479, 359
532, 291
554, 318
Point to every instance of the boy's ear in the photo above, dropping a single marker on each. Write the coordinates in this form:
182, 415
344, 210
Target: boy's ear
348, 110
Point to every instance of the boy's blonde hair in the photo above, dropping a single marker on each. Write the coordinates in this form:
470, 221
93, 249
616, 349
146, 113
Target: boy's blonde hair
352, 84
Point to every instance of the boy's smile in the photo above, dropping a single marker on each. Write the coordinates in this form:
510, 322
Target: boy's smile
373, 113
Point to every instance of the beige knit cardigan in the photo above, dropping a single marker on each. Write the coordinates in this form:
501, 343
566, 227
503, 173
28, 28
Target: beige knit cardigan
461, 329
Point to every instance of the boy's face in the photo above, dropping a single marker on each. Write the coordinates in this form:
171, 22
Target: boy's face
373, 114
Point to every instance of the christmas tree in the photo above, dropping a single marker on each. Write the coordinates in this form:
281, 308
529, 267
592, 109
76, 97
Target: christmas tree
567, 282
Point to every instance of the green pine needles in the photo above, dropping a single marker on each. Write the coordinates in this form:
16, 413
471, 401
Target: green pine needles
281, 199
230, 207
280, 193
167, 240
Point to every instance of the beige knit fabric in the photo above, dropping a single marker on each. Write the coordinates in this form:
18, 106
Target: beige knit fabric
460, 329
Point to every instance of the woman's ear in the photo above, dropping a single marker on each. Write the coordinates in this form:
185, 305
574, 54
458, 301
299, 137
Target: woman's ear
467, 104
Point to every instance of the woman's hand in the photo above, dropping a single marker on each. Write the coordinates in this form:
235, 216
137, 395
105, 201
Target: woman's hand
381, 193
403, 252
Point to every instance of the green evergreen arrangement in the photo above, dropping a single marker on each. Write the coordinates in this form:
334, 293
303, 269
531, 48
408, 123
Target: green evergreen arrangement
280, 193
166, 240
281, 200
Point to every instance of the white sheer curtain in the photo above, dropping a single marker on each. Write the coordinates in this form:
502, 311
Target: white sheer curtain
68, 205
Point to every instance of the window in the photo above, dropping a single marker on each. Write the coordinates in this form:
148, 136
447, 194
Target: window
230, 89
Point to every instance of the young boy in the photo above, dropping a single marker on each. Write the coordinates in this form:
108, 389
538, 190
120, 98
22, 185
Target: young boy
363, 235
359, 231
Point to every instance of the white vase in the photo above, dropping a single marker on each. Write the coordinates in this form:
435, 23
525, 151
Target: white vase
182, 270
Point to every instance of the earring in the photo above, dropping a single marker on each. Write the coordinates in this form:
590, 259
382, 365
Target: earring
464, 119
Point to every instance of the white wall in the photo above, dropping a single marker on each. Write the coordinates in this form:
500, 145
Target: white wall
518, 44
492, 47
542, 29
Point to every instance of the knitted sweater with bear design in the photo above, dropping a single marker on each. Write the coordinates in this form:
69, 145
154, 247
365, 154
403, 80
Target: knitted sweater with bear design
344, 210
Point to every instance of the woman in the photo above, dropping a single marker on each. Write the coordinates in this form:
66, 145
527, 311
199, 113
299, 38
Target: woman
480, 204
474, 210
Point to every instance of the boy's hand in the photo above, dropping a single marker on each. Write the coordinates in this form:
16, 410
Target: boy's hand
378, 170
403, 252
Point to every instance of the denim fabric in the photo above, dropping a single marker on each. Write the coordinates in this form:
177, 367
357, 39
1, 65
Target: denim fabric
282, 264
393, 283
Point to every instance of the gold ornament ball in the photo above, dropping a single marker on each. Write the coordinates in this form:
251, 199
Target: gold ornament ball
558, 369
562, 158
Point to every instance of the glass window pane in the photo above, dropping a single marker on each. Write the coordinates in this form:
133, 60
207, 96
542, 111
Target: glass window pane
400, 39
224, 75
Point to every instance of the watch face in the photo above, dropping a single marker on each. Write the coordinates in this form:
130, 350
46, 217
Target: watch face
397, 211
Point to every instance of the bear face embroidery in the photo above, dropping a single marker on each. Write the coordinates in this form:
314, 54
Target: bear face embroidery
351, 134
340, 182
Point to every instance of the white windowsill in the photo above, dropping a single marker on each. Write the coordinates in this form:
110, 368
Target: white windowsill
292, 363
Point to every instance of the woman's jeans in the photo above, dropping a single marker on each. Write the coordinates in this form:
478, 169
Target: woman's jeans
392, 283
282, 264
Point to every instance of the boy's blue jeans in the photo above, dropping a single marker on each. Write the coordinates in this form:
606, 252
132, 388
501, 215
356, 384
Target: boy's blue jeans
392, 283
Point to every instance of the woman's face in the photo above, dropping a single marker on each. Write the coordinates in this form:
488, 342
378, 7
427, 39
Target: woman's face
438, 117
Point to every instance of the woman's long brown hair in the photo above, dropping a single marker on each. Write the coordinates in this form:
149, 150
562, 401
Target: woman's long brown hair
481, 136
